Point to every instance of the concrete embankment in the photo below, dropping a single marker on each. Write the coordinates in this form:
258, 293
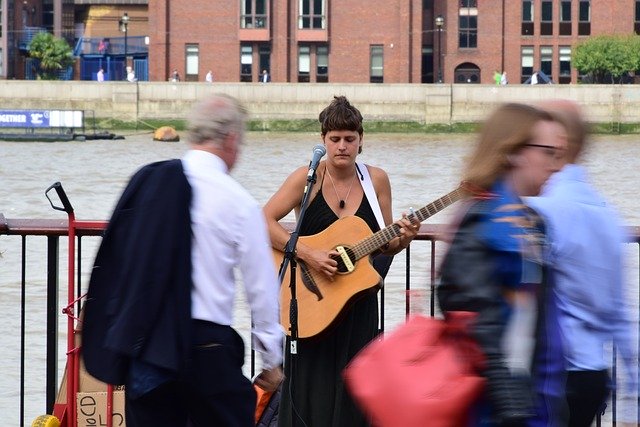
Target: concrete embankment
284, 106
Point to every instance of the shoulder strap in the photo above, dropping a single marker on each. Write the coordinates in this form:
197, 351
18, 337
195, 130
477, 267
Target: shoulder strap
370, 192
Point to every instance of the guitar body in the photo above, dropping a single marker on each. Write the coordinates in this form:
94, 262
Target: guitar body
320, 300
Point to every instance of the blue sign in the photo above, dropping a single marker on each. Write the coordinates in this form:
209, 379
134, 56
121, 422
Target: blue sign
24, 118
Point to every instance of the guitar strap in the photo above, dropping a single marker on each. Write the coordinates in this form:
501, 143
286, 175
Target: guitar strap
370, 192
381, 262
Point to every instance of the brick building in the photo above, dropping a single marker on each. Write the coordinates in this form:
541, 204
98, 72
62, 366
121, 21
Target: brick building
302, 40
525, 36
390, 41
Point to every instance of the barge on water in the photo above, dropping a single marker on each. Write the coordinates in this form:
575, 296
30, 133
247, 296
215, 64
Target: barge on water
48, 126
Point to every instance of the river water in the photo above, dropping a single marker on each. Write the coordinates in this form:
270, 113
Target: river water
93, 173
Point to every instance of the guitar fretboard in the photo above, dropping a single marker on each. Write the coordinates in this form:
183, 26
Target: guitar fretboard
384, 236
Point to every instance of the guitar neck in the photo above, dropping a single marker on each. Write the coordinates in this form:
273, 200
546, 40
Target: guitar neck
384, 236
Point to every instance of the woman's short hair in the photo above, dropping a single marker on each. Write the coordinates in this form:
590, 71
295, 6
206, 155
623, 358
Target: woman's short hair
507, 130
340, 115
212, 119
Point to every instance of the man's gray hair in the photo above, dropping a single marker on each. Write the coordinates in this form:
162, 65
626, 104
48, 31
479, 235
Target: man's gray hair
217, 116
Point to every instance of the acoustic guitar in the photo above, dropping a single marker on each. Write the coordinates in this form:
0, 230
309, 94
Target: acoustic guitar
320, 300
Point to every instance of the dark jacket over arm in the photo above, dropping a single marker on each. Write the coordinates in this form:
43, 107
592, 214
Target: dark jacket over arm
470, 282
139, 298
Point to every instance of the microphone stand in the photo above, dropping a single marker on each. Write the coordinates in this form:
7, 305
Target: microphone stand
290, 260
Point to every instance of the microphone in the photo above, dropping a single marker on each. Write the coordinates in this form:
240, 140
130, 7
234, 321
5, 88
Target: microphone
318, 152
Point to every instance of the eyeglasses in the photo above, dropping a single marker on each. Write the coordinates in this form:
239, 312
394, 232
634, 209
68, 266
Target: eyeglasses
550, 150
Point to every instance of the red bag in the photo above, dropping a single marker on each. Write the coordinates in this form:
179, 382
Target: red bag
423, 373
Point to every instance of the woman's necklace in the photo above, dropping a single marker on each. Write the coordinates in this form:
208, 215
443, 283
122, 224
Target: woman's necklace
342, 201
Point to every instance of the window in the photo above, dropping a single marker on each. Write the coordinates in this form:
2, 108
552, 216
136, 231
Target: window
253, 14
427, 65
467, 72
311, 14
546, 18
322, 64
636, 25
527, 18
246, 63
564, 58
47, 15
376, 64
565, 18
584, 18
468, 3
546, 60
527, 63
191, 62
468, 27
304, 63
1, 63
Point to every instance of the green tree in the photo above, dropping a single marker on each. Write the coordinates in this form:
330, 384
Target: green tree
53, 53
606, 56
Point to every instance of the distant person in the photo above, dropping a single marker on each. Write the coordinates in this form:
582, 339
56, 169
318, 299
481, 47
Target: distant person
131, 75
265, 77
209, 77
534, 78
497, 77
587, 264
102, 47
175, 76
503, 78
161, 296
100, 75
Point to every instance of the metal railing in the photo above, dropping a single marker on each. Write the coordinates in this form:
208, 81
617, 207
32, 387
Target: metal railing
428, 240
136, 45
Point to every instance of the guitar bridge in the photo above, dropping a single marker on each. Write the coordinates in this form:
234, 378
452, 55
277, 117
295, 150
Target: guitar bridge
344, 256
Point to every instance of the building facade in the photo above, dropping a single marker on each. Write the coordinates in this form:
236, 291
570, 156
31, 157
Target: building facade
111, 35
526, 36
20, 20
390, 41
295, 41
379, 41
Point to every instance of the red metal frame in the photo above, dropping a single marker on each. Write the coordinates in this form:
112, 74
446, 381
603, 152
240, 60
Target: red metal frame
67, 412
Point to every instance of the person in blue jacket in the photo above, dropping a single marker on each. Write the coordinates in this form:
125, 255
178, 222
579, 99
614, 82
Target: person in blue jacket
494, 266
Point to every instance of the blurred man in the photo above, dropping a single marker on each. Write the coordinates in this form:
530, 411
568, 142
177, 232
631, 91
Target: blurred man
585, 254
160, 303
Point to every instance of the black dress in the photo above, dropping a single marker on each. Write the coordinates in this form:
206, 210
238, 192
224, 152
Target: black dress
320, 398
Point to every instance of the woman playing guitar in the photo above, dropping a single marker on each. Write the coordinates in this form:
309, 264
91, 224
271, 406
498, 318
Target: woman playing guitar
320, 397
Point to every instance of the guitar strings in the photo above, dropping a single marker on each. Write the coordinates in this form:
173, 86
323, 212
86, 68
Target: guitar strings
341, 201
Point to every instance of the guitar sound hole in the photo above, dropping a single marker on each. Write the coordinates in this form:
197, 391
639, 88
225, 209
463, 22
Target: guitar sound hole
342, 268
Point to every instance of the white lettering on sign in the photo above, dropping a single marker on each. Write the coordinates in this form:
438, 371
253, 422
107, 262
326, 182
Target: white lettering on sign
13, 118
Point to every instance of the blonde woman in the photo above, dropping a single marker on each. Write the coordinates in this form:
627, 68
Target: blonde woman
494, 265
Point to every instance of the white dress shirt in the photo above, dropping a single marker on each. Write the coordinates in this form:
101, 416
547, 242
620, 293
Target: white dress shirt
229, 231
